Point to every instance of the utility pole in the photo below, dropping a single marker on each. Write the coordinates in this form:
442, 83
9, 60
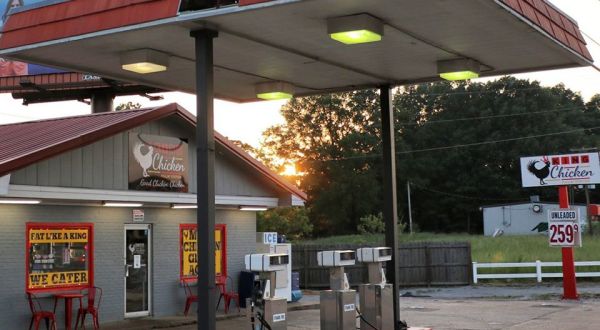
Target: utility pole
410, 226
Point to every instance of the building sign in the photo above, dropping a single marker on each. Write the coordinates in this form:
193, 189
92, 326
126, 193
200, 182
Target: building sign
564, 228
189, 250
559, 170
137, 215
59, 256
158, 163
10, 68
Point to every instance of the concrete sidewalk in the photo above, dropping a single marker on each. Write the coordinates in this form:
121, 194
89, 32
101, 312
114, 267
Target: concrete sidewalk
515, 307
306, 303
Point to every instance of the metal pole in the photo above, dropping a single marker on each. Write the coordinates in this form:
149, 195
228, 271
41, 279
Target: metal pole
587, 208
568, 259
409, 207
390, 206
205, 185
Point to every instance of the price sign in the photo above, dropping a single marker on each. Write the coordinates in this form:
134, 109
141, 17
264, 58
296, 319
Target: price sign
564, 228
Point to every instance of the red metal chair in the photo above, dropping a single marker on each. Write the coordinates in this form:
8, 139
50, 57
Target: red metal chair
94, 299
228, 295
190, 297
37, 314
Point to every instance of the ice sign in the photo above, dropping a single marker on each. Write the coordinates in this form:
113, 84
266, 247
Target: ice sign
267, 238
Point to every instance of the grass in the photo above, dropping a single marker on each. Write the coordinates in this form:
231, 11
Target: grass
484, 248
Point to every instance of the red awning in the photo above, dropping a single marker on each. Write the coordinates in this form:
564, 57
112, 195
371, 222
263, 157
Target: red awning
287, 40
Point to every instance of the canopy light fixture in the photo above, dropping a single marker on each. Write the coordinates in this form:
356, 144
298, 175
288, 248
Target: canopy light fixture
458, 69
253, 208
144, 61
19, 201
121, 204
184, 206
274, 90
355, 29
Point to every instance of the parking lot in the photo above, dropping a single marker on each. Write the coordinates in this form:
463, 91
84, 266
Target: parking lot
477, 307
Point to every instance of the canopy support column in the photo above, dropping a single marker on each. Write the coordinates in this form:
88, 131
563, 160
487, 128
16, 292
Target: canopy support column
390, 207
205, 184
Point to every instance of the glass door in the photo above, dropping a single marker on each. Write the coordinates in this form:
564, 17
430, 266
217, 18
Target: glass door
137, 270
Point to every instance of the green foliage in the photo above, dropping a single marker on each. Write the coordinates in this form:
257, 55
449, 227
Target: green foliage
458, 144
326, 137
290, 221
371, 224
128, 106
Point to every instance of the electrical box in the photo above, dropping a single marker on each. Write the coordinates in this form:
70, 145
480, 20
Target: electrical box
336, 258
374, 254
376, 306
266, 262
338, 310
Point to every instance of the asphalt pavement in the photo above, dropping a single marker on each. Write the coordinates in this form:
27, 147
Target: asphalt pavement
514, 307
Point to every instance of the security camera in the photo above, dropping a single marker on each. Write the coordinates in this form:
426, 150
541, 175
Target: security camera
337, 258
374, 254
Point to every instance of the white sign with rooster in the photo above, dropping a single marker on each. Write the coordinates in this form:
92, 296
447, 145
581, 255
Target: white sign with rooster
158, 163
560, 170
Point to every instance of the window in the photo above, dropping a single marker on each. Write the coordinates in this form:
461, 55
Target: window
188, 255
59, 256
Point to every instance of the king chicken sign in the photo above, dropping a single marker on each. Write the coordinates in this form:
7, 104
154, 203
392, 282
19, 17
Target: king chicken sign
560, 170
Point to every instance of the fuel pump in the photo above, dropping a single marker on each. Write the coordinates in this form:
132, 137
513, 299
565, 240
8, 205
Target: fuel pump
338, 305
266, 310
376, 297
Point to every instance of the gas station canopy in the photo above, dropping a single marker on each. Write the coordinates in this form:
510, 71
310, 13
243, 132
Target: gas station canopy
287, 41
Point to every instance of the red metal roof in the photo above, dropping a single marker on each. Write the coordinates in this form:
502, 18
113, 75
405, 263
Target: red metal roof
23, 144
552, 21
76, 17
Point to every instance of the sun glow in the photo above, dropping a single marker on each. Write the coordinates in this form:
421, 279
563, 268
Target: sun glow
289, 170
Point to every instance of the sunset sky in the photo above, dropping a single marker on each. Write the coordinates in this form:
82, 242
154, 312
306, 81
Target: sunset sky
247, 121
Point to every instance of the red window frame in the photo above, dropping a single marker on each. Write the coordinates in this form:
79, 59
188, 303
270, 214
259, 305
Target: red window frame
223, 229
61, 225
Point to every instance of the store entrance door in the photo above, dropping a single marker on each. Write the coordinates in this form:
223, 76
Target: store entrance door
138, 268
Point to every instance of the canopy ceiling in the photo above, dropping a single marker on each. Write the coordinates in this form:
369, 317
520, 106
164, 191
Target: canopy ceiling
286, 40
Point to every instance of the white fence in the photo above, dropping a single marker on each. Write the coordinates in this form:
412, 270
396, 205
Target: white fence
538, 265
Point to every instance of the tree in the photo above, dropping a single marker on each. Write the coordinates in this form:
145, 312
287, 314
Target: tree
451, 183
290, 221
128, 106
459, 145
327, 138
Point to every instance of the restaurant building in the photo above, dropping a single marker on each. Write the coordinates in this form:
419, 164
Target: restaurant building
104, 200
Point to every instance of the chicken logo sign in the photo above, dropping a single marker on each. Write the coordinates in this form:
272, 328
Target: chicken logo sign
560, 170
157, 163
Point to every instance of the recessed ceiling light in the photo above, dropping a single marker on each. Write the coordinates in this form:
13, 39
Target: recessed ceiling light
184, 206
355, 29
121, 204
144, 61
274, 90
19, 201
458, 69
253, 208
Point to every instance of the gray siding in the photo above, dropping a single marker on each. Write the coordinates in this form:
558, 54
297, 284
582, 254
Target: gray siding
104, 165
108, 255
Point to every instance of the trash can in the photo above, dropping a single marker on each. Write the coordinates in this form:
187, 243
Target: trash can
245, 286
296, 293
